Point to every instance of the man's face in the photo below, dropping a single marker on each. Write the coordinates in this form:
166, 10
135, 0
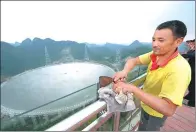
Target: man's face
192, 45
163, 41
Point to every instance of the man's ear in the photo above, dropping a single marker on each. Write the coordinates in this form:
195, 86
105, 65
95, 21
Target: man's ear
178, 41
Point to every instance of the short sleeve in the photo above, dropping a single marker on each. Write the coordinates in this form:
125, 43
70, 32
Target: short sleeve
174, 86
145, 58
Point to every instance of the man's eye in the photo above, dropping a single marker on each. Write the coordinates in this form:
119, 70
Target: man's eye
161, 40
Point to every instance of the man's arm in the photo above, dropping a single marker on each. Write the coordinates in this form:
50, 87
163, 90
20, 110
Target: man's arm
130, 64
161, 105
140, 60
171, 95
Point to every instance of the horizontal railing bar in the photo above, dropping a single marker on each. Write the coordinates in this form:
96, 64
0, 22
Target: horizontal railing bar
79, 118
98, 122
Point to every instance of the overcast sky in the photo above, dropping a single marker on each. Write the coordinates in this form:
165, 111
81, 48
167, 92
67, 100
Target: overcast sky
93, 22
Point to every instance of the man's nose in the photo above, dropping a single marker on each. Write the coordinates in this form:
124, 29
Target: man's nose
154, 44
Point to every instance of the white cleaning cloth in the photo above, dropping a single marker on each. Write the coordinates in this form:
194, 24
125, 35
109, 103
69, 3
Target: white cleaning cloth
116, 102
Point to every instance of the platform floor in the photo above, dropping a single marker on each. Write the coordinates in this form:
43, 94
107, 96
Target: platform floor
182, 120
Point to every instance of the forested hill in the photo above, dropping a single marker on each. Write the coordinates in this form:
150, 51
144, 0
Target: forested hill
30, 54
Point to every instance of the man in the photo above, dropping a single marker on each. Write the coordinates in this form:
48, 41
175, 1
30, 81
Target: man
191, 59
168, 76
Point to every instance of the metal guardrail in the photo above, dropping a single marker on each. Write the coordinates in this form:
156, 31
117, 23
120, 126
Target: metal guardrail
79, 118
97, 123
75, 121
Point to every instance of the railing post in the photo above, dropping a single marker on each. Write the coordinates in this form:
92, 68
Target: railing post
116, 121
98, 85
138, 72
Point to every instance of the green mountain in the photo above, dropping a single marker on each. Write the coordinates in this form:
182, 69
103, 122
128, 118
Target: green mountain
30, 54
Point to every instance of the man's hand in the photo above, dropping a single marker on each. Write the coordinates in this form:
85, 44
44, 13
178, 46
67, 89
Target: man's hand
125, 87
129, 65
120, 76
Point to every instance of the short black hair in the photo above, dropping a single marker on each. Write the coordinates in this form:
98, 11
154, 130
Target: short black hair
177, 27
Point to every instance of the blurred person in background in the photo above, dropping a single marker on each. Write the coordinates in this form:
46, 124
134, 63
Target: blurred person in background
190, 55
